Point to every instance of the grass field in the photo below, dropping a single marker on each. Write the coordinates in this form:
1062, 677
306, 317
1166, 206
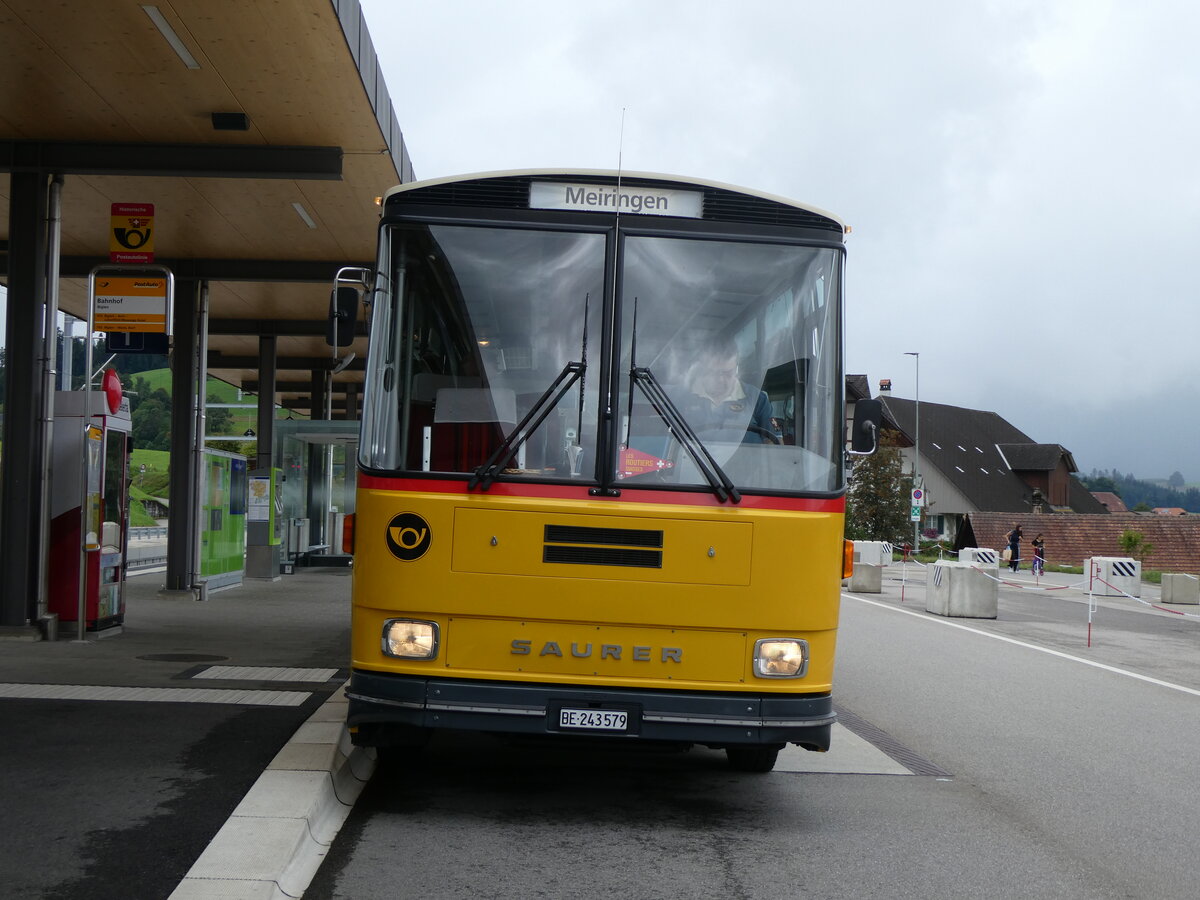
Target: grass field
160, 379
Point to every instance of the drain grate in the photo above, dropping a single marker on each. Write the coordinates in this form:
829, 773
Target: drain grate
915, 763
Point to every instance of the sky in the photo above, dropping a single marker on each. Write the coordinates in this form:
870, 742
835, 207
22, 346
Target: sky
1020, 176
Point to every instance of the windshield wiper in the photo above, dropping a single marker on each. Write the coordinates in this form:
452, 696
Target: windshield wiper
499, 460
670, 414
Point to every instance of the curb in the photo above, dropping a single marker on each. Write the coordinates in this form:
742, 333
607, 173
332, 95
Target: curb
273, 843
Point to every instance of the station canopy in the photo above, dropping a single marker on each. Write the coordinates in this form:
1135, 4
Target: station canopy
261, 132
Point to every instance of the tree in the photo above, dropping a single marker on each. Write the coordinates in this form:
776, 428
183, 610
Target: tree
217, 418
151, 415
1134, 544
877, 502
1176, 480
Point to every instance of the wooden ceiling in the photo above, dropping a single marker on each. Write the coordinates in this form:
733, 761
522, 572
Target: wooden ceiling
102, 72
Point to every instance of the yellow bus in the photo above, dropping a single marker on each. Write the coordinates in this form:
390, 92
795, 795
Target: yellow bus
601, 472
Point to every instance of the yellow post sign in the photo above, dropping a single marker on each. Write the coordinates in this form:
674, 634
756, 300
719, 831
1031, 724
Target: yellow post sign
131, 236
130, 304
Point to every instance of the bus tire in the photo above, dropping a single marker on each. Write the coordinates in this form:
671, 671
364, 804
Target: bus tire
752, 759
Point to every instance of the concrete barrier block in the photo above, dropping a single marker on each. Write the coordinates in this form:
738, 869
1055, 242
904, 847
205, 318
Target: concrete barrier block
962, 590
1180, 589
867, 579
982, 555
872, 553
1113, 576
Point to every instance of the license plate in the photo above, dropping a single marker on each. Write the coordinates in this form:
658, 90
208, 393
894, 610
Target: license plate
594, 719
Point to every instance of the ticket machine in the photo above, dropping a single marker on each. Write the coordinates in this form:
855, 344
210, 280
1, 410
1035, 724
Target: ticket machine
90, 452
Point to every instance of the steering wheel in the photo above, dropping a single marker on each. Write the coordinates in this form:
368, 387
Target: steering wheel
768, 436
735, 434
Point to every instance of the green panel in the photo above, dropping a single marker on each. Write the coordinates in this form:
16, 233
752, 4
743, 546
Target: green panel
223, 514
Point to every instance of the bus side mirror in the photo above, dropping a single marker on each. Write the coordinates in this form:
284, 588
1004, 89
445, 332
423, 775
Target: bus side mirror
864, 434
343, 316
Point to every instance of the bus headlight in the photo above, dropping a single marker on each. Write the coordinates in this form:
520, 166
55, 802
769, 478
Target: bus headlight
780, 658
410, 638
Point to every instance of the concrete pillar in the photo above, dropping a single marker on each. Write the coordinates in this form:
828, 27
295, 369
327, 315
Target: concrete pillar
21, 501
267, 356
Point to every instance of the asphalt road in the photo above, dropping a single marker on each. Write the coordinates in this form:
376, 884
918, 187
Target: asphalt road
1054, 771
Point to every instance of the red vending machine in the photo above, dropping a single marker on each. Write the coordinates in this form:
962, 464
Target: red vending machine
91, 455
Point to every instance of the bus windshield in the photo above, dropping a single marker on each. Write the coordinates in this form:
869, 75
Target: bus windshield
470, 329
743, 340
487, 342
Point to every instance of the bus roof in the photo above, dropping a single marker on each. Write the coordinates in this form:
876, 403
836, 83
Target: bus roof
612, 174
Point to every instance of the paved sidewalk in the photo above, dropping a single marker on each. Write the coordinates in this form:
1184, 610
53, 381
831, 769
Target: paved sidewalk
200, 752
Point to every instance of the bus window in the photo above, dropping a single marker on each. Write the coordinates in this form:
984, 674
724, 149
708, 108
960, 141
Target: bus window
765, 304
491, 318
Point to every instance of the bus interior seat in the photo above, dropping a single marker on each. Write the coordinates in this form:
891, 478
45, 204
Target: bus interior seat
468, 425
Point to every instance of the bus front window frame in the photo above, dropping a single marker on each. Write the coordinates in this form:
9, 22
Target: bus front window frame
658, 456
443, 336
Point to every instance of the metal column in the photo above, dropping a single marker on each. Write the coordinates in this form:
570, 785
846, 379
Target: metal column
22, 473
181, 518
317, 501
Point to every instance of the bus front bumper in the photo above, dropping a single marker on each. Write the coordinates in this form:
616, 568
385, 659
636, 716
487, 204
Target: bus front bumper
380, 702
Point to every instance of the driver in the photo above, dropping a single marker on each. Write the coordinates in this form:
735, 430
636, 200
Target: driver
720, 400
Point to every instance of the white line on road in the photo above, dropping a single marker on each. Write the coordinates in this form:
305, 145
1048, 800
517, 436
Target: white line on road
1000, 637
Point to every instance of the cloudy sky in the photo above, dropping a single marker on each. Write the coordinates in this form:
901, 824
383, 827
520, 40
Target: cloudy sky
1021, 177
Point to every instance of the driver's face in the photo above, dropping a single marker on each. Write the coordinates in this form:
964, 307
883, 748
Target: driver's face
718, 379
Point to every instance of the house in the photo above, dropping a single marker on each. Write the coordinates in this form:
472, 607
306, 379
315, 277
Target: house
1170, 511
973, 461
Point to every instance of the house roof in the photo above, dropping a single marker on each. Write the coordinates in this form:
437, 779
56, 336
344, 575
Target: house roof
858, 387
1110, 501
1036, 457
1072, 537
977, 451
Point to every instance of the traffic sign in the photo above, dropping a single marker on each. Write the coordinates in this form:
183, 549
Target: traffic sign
131, 234
918, 497
915, 514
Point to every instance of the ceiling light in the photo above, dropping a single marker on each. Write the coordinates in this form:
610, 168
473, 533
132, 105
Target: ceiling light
303, 214
233, 121
168, 32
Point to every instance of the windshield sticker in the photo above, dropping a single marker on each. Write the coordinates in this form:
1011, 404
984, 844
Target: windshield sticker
634, 462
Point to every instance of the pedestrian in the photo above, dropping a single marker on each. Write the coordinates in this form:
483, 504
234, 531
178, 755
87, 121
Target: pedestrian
1039, 555
1014, 547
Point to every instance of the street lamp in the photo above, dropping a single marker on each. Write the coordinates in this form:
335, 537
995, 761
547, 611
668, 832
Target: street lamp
917, 448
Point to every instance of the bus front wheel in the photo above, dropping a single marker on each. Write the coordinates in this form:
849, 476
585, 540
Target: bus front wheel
752, 759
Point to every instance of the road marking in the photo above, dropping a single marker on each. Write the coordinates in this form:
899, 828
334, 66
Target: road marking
265, 673
151, 695
1008, 640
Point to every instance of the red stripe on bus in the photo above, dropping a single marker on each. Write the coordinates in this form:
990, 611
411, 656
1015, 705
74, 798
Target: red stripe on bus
572, 492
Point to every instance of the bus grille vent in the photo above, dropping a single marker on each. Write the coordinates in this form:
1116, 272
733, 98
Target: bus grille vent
625, 537
581, 545
727, 206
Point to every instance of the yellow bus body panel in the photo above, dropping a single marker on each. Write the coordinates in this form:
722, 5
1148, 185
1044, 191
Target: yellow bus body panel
728, 577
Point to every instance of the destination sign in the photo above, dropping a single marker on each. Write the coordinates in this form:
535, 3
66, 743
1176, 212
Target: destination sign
131, 304
608, 198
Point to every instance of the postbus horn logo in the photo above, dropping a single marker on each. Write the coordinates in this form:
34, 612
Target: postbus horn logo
408, 536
